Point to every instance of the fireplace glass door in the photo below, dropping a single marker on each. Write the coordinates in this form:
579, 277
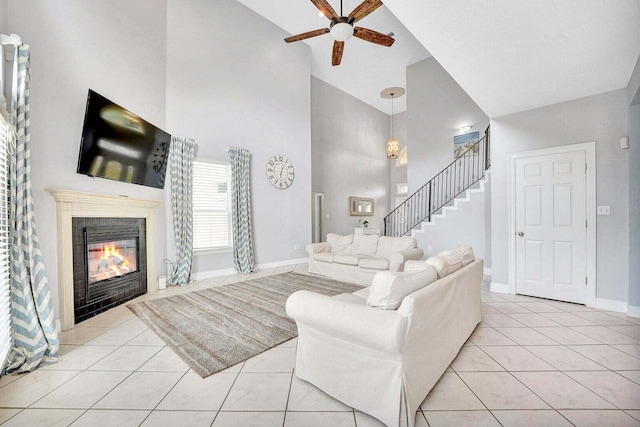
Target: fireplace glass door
111, 259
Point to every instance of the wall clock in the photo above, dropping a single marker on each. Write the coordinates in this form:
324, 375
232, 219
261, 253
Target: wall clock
280, 172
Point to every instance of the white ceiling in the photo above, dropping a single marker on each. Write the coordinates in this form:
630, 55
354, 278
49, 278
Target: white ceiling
366, 68
508, 55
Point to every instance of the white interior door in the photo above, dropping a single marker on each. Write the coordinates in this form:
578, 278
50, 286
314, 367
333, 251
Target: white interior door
550, 203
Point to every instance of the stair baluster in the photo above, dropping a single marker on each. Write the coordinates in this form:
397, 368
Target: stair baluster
452, 181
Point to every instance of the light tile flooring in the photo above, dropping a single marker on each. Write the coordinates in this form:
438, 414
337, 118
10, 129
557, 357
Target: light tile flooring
530, 362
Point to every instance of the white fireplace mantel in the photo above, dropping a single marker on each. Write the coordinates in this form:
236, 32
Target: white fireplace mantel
70, 204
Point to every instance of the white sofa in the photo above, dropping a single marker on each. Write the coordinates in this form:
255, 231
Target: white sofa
384, 362
357, 258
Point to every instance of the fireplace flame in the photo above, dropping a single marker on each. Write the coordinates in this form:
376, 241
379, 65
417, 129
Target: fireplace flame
112, 263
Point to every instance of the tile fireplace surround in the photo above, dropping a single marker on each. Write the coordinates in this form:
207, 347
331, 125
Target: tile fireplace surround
70, 204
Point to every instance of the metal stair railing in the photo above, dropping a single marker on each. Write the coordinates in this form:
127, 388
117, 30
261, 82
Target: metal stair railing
453, 180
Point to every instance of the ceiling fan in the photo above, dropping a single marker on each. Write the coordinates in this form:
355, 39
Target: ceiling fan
341, 27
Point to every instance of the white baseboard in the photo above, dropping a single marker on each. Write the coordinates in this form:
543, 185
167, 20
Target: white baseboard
633, 311
212, 273
499, 288
283, 263
611, 305
487, 272
227, 271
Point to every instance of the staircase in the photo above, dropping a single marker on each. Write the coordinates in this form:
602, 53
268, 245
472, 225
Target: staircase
455, 184
465, 221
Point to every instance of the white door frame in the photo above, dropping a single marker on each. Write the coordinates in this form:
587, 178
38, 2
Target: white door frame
316, 217
590, 156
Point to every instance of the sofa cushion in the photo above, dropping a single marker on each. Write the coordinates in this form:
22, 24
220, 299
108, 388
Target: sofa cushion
324, 256
467, 254
348, 259
388, 289
374, 263
388, 245
365, 244
412, 266
340, 244
446, 263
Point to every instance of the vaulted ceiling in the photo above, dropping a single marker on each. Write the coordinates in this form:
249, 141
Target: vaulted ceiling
508, 55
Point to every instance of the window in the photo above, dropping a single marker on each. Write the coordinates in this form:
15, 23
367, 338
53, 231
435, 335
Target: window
5, 303
211, 206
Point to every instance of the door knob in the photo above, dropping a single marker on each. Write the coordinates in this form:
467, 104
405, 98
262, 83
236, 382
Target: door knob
520, 233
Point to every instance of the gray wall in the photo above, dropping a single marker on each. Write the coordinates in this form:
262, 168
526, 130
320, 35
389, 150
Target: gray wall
601, 118
634, 205
436, 109
250, 90
633, 97
4, 15
77, 45
633, 88
348, 143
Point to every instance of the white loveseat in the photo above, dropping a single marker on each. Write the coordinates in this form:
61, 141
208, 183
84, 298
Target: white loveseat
384, 362
357, 258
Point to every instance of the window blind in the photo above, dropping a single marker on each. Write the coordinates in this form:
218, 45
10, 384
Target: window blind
211, 205
5, 297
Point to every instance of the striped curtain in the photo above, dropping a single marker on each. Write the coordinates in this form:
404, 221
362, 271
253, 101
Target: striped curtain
34, 332
241, 211
181, 162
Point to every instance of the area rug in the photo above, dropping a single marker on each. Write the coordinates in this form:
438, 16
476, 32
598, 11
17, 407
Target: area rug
222, 326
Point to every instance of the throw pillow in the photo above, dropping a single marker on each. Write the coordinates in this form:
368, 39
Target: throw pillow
364, 244
388, 289
338, 243
467, 254
445, 263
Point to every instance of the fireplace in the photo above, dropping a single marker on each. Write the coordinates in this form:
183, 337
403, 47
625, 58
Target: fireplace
109, 263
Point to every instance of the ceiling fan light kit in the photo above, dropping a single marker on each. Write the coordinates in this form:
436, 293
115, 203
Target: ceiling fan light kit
341, 27
341, 31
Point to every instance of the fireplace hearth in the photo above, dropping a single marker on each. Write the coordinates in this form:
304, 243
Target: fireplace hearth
109, 263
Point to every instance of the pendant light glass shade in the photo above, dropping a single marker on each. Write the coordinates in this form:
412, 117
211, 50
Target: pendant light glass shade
393, 149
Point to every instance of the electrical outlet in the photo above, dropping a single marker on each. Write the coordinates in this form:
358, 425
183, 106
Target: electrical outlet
296, 247
604, 210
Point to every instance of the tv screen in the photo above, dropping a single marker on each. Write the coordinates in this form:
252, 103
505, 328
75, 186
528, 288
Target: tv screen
119, 145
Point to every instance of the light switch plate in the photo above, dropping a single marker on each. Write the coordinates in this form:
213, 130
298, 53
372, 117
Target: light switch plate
624, 142
604, 210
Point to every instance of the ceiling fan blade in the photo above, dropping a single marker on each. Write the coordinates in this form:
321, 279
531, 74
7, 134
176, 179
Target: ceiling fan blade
307, 35
326, 9
373, 36
363, 9
338, 48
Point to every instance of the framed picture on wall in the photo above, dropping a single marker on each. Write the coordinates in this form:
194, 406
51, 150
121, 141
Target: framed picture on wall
462, 143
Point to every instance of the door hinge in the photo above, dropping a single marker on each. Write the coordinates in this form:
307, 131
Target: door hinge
586, 281
585, 167
586, 223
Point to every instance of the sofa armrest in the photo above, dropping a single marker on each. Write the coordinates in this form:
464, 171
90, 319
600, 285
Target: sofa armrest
378, 329
314, 248
397, 259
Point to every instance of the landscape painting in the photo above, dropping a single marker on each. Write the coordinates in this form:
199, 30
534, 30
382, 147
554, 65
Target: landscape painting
462, 143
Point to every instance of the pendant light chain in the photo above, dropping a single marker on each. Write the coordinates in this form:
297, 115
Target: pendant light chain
391, 116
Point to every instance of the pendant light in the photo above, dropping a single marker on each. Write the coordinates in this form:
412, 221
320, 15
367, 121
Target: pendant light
393, 146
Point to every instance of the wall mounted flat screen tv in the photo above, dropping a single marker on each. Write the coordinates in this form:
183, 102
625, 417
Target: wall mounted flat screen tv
119, 145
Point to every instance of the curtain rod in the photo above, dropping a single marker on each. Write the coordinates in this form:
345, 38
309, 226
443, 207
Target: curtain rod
13, 39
